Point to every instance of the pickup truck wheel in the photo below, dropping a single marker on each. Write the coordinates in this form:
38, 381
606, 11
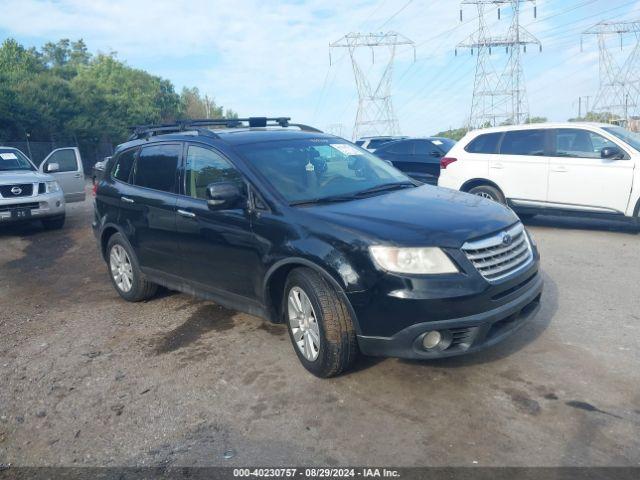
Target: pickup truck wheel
53, 223
319, 323
125, 273
487, 191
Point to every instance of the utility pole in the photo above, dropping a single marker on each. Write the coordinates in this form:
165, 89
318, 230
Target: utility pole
375, 115
499, 95
619, 86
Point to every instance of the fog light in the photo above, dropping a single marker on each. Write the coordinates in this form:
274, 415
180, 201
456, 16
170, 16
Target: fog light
431, 339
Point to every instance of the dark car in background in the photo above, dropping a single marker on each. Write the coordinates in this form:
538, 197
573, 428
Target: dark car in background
417, 157
305, 228
373, 143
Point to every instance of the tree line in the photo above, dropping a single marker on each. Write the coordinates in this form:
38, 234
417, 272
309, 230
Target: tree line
63, 93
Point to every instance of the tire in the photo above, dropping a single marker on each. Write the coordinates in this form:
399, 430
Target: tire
487, 191
337, 346
125, 273
53, 223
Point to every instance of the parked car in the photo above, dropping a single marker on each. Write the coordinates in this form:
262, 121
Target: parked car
372, 143
98, 169
305, 228
28, 194
417, 157
556, 168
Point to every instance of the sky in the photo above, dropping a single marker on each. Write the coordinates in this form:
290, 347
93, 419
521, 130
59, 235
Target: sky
272, 58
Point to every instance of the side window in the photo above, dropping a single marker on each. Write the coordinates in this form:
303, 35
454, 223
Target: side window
487, 143
523, 142
400, 148
124, 164
205, 166
66, 159
574, 142
425, 147
157, 166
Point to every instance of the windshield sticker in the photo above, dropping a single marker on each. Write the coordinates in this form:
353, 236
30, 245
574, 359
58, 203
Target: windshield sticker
437, 142
310, 167
346, 149
8, 156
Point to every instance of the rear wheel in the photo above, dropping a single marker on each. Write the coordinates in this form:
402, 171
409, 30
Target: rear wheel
125, 273
487, 191
319, 323
53, 223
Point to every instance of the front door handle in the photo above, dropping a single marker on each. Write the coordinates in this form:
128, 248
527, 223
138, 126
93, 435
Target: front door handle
496, 165
559, 169
127, 200
77, 175
186, 213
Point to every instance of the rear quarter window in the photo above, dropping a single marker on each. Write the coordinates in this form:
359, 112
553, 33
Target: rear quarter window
486, 143
123, 165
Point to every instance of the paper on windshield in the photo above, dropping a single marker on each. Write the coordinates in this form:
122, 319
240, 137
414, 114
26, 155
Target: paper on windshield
346, 149
8, 156
436, 142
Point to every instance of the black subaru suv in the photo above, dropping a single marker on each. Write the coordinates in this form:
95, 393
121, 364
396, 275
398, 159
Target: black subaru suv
282, 221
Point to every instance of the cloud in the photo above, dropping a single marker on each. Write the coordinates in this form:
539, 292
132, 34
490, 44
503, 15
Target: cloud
272, 57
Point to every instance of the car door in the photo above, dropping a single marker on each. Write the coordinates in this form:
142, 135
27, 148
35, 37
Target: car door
579, 178
69, 174
148, 206
521, 168
426, 160
218, 249
399, 153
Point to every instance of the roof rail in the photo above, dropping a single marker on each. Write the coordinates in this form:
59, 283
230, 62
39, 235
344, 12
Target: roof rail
146, 131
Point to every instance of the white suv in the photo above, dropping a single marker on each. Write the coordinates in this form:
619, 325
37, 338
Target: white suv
572, 168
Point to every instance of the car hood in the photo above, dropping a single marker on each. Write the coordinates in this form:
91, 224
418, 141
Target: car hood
23, 176
422, 216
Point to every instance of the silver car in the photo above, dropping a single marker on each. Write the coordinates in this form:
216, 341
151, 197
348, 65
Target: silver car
29, 193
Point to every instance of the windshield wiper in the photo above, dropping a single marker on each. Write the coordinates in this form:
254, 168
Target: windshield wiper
316, 201
385, 187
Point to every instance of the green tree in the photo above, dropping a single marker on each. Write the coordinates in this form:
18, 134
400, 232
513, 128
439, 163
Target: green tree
454, 134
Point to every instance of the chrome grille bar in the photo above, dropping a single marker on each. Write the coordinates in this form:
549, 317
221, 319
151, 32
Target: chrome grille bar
500, 255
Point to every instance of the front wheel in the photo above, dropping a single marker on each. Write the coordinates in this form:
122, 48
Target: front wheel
487, 191
53, 223
319, 323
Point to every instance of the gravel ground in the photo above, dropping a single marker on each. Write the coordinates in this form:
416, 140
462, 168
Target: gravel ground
88, 379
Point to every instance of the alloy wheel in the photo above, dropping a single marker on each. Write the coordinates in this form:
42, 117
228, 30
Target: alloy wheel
121, 269
304, 324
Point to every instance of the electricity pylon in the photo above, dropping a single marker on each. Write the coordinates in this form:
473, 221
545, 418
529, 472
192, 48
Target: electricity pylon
375, 115
619, 89
499, 95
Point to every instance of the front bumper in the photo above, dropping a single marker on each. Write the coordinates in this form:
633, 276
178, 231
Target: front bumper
466, 334
39, 206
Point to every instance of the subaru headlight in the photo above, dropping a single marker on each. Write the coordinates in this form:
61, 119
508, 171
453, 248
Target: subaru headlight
53, 186
426, 260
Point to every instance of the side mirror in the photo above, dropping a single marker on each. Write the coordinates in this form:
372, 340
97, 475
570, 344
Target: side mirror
223, 195
611, 153
52, 167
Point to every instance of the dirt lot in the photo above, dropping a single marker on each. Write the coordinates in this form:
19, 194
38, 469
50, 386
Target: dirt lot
88, 379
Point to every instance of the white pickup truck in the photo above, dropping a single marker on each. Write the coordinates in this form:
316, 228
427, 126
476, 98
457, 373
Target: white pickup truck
30, 193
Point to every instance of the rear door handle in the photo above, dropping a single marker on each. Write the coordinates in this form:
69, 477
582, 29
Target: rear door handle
496, 165
127, 200
77, 175
186, 213
559, 169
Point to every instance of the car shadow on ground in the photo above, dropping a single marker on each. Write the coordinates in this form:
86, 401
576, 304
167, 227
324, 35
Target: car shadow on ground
520, 339
584, 223
26, 229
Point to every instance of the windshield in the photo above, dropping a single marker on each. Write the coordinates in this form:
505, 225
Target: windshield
12, 159
318, 169
625, 135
